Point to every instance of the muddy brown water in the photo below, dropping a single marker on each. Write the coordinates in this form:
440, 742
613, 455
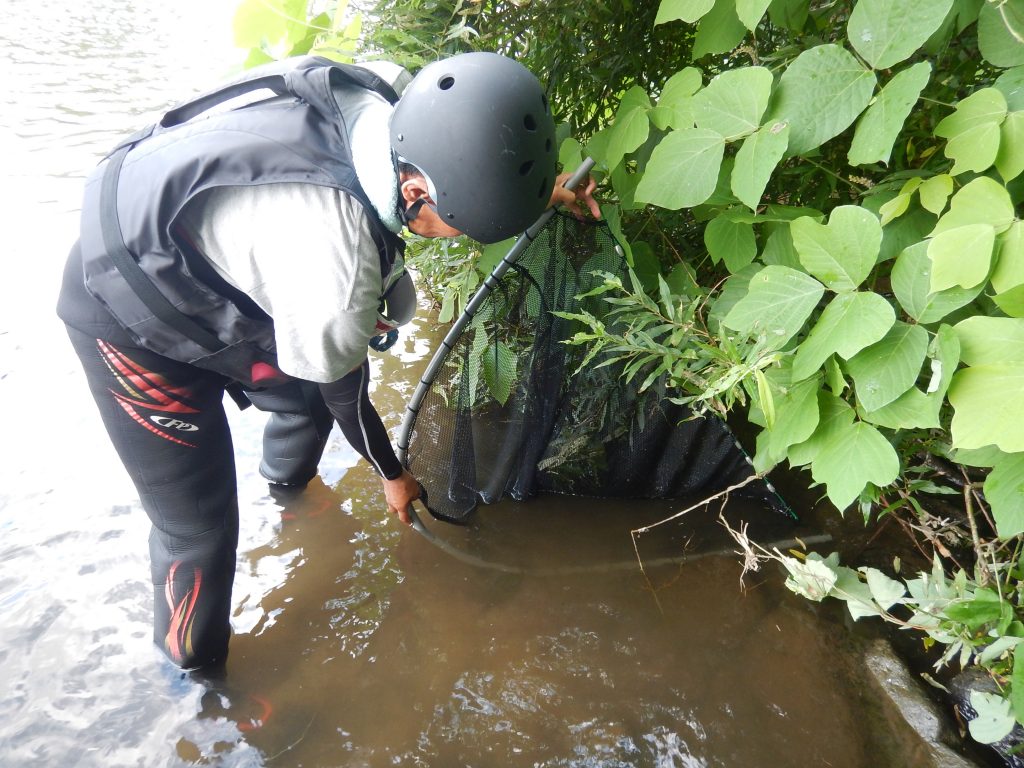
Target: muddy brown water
357, 642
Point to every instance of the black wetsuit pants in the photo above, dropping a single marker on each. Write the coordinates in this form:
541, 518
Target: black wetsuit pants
167, 422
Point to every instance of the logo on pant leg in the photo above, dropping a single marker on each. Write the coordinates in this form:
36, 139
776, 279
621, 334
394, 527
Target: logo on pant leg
169, 423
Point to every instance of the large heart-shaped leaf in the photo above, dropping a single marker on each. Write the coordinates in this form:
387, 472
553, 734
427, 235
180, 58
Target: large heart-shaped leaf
988, 407
973, 130
850, 459
886, 33
842, 252
991, 340
777, 305
911, 280
888, 368
820, 95
981, 201
683, 169
851, 322
962, 256
733, 103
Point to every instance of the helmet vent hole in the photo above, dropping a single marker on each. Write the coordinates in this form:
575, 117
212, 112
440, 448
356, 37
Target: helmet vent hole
446, 82
525, 168
544, 190
547, 145
529, 123
544, 102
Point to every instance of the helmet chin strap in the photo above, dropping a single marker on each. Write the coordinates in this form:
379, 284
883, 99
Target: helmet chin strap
413, 210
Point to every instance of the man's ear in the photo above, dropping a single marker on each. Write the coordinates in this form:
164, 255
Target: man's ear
415, 188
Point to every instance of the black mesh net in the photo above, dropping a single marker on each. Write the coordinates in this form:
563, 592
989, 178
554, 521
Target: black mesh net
510, 415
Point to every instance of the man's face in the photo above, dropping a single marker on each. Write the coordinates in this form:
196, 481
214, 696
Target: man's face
427, 223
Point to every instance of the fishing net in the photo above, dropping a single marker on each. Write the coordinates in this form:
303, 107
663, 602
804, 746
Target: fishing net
508, 412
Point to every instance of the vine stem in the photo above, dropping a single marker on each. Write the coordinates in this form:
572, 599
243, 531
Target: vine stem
979, 555
835, 175
636, 532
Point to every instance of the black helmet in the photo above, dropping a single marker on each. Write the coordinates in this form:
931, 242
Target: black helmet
479, 127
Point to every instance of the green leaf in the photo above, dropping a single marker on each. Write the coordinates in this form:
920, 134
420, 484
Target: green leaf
1011, 301
631, 126
881, 124
1009, 269
719, 31
750, 12
895, 208
982, 201
991, 340
1017, 686
730, 241
499, 371
983, 608
274, 23
911, 280
888, 368
675, 105
1011, 84
682, 10
973, 131
851, 322
841, 253
885, 591
779, 249
976, 423
961, 256
778, 303
811, 578
683, 169
1004, 490
934, 192
983, 107
914, 409
570, 153
886, 33
733, 103
1010, 157
909, 229
834, 377
851, 459
796, 419
756, 160
789, 14
994, 719
820, 95
1000, 32
835, 418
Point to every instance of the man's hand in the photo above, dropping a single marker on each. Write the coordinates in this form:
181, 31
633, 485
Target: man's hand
571, 199
400, 494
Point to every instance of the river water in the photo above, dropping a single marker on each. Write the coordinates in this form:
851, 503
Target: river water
357, 642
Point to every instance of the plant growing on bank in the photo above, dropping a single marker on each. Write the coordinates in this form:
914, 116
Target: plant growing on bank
850, 203
822, 207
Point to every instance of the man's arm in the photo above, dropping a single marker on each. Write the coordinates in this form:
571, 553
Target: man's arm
348, 399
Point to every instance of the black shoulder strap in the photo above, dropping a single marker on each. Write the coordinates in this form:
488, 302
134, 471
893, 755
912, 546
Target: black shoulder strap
130, 270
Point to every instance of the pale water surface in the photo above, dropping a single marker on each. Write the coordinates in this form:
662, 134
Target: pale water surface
356, 643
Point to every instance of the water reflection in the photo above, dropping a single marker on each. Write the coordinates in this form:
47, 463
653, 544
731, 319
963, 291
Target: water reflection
356, 643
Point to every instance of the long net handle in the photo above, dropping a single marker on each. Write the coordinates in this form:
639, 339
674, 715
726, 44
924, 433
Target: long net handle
448, 342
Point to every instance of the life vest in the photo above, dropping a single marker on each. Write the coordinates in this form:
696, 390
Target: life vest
136, 258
